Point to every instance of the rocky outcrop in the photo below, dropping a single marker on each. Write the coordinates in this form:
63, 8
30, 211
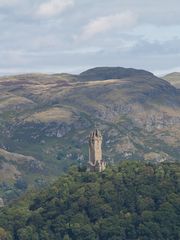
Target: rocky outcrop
29, 162
137, 112
157, 157
126, 147
154, 120
8, 172
1, 203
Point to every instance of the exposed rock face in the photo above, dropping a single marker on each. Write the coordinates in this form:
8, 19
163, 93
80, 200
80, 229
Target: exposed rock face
126, 147
48, 117
155, 120
28, 161
1, 203
157, 157
8, 172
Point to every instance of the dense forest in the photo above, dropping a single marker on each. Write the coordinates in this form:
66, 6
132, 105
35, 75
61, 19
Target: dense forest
132, 200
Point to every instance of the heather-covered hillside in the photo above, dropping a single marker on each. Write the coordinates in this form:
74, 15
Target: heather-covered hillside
45, 121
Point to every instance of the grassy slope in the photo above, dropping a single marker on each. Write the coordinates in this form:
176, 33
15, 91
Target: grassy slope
173, 78
52, 115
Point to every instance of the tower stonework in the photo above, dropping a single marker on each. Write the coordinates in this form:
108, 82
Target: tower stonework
96, 163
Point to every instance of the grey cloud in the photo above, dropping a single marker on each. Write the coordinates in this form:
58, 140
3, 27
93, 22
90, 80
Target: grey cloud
29, 42
53, 7
170, 47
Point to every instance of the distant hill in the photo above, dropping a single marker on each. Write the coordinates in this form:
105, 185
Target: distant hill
45, 121
173, 78
104, 73
131, 201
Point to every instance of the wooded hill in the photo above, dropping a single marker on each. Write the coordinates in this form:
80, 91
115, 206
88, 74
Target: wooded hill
130, 201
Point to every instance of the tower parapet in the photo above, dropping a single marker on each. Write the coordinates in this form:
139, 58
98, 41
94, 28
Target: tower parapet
96, 163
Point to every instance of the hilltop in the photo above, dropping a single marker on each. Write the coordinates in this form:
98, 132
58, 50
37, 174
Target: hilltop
45, 121
173, 78
105, 73
129, 201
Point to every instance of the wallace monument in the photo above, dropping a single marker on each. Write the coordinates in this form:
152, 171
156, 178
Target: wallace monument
96, 163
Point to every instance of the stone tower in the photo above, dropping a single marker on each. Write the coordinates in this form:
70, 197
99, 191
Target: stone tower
95, 164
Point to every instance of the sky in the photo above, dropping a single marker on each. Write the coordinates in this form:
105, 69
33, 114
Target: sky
52, 36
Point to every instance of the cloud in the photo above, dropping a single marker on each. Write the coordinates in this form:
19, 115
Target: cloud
103, 24
83, 51
146, 36
8, 2
54, 7
168, 47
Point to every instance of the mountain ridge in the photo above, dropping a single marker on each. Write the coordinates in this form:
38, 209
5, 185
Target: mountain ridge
49, 118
